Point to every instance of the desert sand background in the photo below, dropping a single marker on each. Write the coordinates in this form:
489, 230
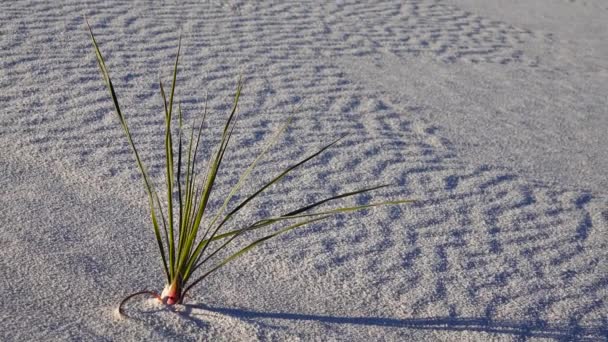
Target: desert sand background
491, 114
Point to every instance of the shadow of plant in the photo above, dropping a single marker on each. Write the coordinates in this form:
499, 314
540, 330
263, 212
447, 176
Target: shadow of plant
523, 329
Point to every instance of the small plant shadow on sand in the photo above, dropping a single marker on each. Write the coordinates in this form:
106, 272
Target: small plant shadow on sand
518, 329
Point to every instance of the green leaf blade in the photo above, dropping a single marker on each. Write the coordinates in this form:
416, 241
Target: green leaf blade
148, 184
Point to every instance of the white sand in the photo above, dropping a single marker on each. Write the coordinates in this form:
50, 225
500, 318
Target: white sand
493, 114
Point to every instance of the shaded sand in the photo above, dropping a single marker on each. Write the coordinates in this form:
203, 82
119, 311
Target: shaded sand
491, 114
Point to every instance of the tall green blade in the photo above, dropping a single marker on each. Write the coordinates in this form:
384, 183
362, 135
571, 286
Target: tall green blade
169, 181
179, 181
149, 187
170, 163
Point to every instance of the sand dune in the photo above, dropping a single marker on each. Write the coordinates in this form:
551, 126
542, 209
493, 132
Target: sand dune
491, 115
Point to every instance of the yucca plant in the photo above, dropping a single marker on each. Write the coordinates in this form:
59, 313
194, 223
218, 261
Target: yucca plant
187, 248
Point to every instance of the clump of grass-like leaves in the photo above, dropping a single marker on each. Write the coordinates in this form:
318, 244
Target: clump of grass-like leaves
186, 246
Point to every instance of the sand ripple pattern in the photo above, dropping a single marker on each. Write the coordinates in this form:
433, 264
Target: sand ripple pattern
481, 242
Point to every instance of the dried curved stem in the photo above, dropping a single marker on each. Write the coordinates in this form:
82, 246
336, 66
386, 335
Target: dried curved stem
152, 293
